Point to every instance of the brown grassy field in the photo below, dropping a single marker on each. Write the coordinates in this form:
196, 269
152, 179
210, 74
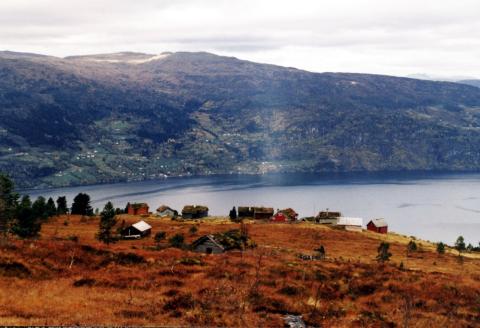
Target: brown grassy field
57, 281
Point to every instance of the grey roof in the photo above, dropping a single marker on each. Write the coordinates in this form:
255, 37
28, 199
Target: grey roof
207, 237
379, 223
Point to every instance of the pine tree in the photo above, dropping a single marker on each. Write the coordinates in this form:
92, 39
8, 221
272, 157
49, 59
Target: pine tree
441, 248
39, 208
107, 222
8, 204
28, 219
62, 205
233, 214
460, 244
51, 209
411, 247
383, 253
81, 205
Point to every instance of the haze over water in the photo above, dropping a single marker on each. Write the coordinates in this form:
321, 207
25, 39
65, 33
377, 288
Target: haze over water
436, 207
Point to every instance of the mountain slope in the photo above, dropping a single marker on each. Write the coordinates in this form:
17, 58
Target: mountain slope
130, 116
475, 83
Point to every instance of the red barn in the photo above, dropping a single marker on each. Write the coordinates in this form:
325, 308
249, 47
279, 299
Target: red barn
280, 217
137, 208
378, 225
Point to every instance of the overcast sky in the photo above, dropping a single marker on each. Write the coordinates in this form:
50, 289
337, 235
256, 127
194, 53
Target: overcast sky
440, 37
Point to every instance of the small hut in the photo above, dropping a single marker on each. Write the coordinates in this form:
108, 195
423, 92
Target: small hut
137, 230
207, 244
137, 209
378, 225
262, 213
350, 224
165, 211
194, 212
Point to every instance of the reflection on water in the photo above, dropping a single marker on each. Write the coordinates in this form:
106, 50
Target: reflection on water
430, 206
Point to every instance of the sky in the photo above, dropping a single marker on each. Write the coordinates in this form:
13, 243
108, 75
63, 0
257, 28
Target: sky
440, 38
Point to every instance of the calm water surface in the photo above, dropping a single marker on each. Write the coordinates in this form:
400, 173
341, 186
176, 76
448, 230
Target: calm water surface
435, 207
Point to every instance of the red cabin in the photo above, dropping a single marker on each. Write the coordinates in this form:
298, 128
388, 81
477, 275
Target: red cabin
378, 225
280, 217
137, 209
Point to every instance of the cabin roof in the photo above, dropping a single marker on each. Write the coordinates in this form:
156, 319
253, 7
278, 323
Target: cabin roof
191, 209
347, 221
142, 226
164, 208
263, 210
138, 205
379, 223
205, 238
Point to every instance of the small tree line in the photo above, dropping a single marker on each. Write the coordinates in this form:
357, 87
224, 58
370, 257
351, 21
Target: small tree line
22, 216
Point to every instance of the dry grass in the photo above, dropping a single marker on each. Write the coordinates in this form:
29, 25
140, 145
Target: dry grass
56, 281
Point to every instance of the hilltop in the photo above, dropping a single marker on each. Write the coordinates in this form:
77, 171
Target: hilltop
67, 277
133, 116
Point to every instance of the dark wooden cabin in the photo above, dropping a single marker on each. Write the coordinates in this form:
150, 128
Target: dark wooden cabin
137, 230
194, 212
262, 213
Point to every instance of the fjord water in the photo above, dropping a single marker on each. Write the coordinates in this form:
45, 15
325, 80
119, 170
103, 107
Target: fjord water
436, 207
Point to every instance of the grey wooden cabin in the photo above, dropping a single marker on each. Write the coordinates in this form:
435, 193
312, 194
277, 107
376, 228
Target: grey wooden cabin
208, 245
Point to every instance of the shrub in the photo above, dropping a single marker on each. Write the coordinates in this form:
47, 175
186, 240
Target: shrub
290, 290
177, 240
193, 230
159, 236
441, 248
321, 252
383, 253
180, 302
73, 238
411, 247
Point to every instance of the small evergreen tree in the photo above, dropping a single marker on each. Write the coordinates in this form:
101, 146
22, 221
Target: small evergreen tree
441, 248
193, 230
50, 208
62, 205
177, 240
81, 205
39, 208
107, 222
411, 247
383, 253
233, 214
8, 204
460, 244
28, 221
469, 248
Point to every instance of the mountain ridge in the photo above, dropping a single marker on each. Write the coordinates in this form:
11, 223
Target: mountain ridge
73, 120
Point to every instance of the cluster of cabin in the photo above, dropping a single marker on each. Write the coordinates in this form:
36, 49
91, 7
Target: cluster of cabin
188, 212
350, 223
210, 243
